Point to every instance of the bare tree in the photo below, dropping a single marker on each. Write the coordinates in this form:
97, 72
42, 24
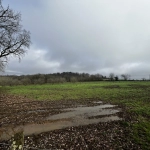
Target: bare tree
116, 78
125, 76
111, 76
13, 39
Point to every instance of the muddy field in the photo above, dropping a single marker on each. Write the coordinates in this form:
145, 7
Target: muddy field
65, 124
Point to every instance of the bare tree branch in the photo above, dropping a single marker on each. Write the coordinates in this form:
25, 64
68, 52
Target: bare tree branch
125, 76
13, 39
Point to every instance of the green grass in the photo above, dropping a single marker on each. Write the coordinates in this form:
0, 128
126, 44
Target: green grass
131, 94
134, 95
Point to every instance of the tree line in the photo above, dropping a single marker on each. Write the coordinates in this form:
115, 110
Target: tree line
49, 78
57, 78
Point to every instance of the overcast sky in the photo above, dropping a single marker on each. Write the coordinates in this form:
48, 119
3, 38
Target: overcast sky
92, 36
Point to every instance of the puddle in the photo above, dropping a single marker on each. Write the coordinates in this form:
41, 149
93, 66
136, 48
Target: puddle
85, 112
72, 117
36, 111
99, 102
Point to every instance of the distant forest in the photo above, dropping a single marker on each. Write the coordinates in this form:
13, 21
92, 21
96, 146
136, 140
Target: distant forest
50, 78
58, 78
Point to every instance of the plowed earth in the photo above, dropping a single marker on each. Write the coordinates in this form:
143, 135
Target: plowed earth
15, 111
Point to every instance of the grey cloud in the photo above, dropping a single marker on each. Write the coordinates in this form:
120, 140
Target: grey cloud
100, 36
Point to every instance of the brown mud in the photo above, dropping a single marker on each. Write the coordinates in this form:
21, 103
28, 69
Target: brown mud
65, 124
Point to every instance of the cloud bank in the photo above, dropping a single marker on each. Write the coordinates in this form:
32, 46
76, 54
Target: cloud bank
100, 36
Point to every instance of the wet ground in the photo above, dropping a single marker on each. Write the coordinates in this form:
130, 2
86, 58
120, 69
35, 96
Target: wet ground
66, 124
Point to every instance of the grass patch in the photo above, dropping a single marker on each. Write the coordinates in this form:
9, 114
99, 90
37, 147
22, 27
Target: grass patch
141, 133
126, 93
135, 96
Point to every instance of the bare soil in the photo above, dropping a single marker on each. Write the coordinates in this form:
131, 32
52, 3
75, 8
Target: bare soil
16, 111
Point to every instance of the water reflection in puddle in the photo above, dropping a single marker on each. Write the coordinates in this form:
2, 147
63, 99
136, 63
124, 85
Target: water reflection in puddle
85, 112
99, 102
36, 111
72, 117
